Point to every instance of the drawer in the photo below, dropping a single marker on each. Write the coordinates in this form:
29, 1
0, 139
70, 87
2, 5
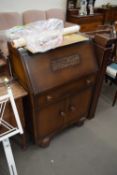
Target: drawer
63, 91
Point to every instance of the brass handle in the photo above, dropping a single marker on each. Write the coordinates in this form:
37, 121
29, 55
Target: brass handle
49, 98
72, 108
62, 113
88, 81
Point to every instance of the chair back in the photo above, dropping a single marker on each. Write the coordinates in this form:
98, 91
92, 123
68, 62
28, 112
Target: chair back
30, 16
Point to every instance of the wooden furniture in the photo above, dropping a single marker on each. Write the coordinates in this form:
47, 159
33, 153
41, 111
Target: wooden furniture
62, 86
111, 74
3, 65
109, 14
111, 70
72, 8
105, 40
19, 93
88, 22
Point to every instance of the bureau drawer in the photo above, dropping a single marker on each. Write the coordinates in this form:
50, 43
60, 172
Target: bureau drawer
62, 92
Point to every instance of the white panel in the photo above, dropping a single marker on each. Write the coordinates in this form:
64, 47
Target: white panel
100, 2
22, 5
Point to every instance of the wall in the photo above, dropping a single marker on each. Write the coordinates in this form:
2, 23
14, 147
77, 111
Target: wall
21, 5
100, 2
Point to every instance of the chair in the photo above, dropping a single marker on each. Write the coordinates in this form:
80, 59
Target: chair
108, 37
111, 74
7, 130
111, 70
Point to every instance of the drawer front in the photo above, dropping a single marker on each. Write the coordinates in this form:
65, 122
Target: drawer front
50, 119
59, 93
78, 106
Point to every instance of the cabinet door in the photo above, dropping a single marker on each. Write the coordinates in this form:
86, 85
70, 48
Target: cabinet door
51, 119
78, 105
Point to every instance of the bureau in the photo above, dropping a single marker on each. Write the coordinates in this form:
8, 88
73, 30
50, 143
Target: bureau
61, 85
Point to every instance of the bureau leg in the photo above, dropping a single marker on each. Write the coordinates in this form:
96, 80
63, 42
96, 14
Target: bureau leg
81, 122
44, 142
24, 141
21, 140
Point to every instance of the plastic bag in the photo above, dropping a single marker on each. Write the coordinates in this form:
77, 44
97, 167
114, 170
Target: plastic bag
40, 36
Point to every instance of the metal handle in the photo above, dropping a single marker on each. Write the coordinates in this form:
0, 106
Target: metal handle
49, 98
88, 81
72, 108
62, 113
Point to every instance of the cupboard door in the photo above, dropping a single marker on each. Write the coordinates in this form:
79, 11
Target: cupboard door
78, 105
51, 119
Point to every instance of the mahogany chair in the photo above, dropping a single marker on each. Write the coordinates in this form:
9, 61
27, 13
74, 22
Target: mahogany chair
110, 37
111, 74
111, 70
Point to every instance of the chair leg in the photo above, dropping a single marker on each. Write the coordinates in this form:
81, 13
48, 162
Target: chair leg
9, 157
110, 83
115, 98
106, 80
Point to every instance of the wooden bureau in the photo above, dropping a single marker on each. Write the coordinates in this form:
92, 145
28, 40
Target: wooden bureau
61, 84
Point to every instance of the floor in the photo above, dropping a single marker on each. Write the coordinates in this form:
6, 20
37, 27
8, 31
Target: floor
88, 150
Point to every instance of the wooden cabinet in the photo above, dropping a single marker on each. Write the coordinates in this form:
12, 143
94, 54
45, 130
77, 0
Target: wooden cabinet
61, 84
72, 8
68, 107
109, 14
3, 67
88, 22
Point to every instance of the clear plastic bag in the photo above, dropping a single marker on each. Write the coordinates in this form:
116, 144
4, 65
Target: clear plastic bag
5, 36
40, 36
